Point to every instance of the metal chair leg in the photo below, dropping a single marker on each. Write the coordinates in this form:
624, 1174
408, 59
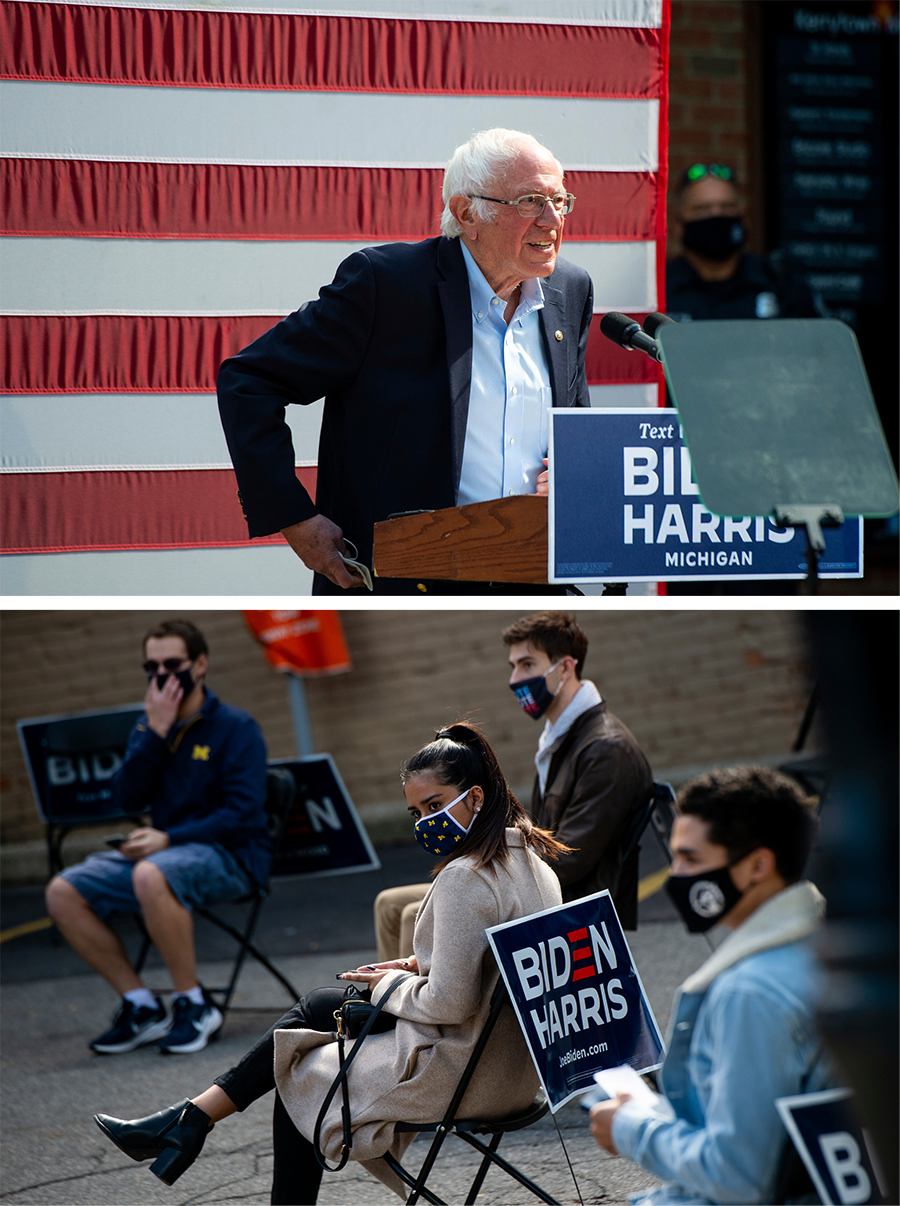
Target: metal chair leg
146, 943
482, 1171
247, 948
408, 1179
511, 1170
244, 946
427, 1165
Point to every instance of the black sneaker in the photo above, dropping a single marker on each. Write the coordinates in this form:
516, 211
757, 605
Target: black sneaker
133, 1026
192, 1026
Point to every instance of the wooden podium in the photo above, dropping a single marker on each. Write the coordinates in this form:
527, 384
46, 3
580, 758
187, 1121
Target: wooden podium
502, 540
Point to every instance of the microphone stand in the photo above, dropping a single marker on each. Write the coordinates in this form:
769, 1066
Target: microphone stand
811, 519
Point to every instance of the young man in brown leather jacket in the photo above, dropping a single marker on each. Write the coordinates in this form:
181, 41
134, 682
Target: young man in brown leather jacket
591, 773
591, 777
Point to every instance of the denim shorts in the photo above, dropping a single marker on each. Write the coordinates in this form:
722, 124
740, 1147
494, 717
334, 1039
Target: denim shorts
196, 872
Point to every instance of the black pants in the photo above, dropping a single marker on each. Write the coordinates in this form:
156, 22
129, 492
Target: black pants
297, 1174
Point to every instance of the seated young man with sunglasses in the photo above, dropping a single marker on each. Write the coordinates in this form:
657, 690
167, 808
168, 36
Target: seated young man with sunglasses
198, 767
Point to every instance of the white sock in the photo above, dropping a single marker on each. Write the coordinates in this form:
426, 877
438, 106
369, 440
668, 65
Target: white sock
141, 996
195, 994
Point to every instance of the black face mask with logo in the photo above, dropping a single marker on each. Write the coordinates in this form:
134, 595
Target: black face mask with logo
715, 238
704, 899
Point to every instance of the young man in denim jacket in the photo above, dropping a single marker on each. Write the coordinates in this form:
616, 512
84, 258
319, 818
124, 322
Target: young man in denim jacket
744, 1031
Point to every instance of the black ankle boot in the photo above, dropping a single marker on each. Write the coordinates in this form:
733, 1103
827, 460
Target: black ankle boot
173, 1138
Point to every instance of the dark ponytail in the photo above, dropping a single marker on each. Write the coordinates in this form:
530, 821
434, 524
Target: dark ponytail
460, 756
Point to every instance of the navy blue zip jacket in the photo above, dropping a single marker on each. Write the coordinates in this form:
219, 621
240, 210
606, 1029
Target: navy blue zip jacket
204, 782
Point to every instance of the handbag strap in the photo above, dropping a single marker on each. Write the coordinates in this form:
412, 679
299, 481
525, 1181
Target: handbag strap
340, 1081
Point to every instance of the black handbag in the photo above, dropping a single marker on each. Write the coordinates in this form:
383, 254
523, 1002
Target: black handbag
356, 1018
356, 1010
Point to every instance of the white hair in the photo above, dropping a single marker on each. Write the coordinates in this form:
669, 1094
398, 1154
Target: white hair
475, 168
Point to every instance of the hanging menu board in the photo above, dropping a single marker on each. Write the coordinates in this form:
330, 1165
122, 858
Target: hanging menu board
830, 91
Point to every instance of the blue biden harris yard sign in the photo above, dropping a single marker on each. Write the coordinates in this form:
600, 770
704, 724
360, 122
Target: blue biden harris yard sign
577, 994
624, 507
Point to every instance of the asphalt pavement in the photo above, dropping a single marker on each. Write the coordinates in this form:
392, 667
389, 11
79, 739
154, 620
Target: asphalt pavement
52, 1083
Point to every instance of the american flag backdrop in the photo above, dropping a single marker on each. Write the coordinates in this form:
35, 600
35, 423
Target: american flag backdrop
176, 178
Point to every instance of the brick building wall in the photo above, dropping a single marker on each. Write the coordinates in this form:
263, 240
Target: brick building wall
696, 687
713, 100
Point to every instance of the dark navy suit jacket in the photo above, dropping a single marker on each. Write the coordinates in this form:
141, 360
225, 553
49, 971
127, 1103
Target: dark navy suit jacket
389, 346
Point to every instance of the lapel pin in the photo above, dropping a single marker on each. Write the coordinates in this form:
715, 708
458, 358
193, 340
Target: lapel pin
559, 336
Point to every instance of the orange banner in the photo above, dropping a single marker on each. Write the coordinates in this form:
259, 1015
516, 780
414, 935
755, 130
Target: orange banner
301, 642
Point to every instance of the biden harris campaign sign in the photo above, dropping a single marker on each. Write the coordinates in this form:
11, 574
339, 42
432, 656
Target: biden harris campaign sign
577, 994
834, 1147
624, 507
323, 834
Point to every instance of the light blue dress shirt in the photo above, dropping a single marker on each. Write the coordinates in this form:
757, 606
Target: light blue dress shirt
506, 429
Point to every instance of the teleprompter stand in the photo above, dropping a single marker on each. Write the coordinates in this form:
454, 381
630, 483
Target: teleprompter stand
780, 422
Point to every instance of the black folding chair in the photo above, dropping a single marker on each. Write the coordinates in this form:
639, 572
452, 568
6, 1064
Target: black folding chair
280, 790
468, 1128
71, 761
660, 810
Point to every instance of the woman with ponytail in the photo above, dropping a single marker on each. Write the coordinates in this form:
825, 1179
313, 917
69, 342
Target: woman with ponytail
492, 869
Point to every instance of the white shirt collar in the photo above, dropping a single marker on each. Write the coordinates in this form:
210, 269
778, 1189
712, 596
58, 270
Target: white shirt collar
531, 296
586, 697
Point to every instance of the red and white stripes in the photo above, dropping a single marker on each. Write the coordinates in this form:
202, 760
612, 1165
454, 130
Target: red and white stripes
176, 178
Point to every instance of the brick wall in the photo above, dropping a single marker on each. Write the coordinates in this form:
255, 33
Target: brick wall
63, 661
695, 687
712, 102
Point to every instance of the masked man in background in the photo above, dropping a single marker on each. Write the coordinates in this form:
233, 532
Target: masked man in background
592, 777
714, 277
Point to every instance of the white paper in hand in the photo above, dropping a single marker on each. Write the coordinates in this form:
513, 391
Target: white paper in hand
354, 565
624, 1079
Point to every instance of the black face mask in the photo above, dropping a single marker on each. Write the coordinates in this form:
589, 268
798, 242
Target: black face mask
716, 238
704, 899
533, 693
184, 677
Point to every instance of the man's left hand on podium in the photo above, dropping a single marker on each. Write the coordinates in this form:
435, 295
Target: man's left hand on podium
543, 481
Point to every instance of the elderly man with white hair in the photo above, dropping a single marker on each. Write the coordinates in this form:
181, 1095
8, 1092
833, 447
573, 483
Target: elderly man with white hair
437, 362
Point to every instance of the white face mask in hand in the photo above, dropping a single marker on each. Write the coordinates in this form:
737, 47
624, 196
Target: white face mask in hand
354, 565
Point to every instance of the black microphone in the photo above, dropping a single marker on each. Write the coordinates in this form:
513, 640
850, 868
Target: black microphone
653, 322
628, 334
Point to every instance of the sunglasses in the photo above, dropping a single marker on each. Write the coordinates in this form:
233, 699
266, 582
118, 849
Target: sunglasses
698, 170
171, 666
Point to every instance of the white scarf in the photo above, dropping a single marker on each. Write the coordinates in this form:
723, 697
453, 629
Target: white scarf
586, 697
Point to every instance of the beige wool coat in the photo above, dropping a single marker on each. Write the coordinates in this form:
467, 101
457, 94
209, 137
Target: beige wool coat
409, 1073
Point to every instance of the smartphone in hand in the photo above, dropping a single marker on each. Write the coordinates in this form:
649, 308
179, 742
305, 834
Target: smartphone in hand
115, 840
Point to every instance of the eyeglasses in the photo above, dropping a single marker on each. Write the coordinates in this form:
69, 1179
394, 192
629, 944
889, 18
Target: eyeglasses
532, 204
171, 666
698, 170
